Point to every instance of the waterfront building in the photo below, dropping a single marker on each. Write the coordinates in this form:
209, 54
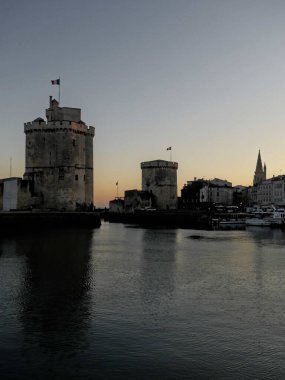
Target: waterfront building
159, 189
117, 206
190, 194
240, 197
265, 192
199, 193
269, 192
159, 177
58, 164
217, 191
137, 200
14, 193
59, 159
278, 190
260, 171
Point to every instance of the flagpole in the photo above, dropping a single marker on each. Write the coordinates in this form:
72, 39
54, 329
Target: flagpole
170, 153
59, 92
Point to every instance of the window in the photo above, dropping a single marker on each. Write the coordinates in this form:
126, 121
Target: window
73, 142
76, 177
61, 173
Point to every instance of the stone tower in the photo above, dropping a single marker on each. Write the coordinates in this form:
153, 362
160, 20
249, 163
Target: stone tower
260, 172
160, 178
59, 159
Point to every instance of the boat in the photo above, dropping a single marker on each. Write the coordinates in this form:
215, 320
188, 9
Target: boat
228, 218
278, 217
259, 219
259, 222
232, 221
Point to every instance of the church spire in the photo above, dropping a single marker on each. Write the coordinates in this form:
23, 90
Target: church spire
260, 172
258, 163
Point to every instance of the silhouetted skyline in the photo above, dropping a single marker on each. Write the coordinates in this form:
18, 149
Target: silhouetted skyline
206, 78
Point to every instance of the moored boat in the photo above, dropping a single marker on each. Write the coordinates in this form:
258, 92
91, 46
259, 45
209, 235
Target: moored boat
259, 219
259, 222
232, 221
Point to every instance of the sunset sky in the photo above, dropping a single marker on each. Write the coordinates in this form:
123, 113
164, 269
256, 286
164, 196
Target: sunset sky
205, 77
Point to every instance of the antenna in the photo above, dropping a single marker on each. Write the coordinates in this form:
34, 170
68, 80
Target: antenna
10, 167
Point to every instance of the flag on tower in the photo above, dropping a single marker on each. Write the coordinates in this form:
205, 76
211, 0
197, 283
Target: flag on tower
169, 148
55, 81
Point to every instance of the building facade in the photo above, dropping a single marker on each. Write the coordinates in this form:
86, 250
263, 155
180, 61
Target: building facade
190, 194
240, 195
117, 206
278, 190
159, 177
59, 159
137, 200
15, 194
217, 191
264, 192
269, 192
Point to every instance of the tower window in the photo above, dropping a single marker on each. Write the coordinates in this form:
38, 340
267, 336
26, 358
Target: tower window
73, 142
61, 173
76, 177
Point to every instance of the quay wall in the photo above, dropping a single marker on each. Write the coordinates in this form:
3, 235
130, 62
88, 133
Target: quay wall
34, 220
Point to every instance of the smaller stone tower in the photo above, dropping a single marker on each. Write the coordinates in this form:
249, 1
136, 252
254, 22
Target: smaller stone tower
59, 159
160, 178
260, 172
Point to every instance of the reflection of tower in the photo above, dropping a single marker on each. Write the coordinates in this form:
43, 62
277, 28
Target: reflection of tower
260, 172
59, 158
55, 298
160, 178
158, 267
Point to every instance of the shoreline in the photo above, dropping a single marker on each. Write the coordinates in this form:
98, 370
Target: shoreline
26, 220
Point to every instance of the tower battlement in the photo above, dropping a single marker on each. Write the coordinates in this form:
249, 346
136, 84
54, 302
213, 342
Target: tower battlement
159, 164
52, 126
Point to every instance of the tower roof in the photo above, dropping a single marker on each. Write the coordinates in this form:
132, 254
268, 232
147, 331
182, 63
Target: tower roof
159, 164
259, 163
260, 172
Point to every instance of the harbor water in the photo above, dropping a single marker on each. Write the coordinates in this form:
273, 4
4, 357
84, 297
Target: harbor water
125, 302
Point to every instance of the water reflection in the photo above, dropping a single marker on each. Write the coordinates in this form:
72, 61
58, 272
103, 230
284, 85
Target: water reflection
55, 300
158, 266
164, 305
265, 235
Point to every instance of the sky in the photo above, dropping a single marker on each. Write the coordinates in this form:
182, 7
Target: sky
205, 77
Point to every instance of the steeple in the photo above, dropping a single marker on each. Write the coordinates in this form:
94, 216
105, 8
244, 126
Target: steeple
260, 172
259, 163
264, 171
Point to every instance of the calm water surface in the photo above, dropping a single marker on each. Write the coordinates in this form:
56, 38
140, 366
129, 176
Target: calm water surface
122, 302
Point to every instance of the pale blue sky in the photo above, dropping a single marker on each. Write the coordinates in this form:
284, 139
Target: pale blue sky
205, 77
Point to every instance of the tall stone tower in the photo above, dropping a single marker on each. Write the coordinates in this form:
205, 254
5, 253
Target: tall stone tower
260, 172
160, 178
59, 159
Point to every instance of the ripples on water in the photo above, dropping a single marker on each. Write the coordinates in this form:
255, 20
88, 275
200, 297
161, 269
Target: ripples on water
122, 302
